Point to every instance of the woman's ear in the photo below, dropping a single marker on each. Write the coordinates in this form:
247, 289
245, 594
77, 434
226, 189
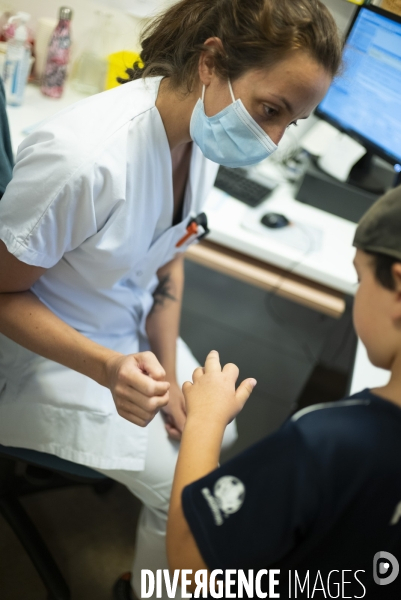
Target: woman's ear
206, 59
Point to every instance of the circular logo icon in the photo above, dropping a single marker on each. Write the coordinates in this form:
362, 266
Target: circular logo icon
229, 492
385, 568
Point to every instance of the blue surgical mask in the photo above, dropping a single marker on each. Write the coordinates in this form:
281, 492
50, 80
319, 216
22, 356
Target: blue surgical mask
232, 137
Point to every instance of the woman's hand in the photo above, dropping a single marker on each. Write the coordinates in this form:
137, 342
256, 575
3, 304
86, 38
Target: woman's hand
137, 383
212, 395
174, 413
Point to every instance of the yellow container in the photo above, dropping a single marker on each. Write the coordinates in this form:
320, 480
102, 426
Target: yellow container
117, 65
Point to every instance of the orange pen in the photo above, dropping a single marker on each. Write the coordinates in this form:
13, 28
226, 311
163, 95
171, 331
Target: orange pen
192, 229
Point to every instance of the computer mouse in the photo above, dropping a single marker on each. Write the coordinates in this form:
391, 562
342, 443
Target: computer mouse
274, 220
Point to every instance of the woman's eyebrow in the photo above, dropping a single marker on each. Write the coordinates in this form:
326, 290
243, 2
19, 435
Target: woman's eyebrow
283, 101
288, 106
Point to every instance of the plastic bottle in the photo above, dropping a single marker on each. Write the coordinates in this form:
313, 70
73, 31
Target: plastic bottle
17, 62
58, 56
89, 71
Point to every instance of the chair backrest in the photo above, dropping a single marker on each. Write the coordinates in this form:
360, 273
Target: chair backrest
51, 462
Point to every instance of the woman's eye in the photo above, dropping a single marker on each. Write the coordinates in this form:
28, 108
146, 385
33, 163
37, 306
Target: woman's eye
270, 112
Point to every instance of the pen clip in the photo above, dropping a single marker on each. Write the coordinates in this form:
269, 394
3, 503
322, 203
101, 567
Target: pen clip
193, 229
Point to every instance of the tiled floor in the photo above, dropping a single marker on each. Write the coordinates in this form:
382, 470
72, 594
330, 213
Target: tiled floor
91, 537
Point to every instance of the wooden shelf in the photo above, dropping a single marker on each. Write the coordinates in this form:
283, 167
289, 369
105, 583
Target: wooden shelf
263, 275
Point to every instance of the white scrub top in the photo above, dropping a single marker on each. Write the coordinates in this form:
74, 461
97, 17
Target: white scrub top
92, 201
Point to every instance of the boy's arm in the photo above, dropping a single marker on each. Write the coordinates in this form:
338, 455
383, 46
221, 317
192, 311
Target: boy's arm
212, 402
199, 455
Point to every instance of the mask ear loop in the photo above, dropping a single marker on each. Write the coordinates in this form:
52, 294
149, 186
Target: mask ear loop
230, 87
231, 90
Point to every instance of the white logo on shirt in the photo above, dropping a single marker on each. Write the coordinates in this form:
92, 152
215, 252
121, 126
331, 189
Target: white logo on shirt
229, 494
396, 515
218, 519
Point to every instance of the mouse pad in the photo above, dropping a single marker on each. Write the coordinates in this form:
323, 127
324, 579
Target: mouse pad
298, 235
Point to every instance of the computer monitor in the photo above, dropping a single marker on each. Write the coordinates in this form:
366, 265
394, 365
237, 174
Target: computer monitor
364, 101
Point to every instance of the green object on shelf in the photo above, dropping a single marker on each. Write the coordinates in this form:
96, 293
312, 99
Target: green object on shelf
6, 153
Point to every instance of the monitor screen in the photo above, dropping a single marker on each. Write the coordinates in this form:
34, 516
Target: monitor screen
365, 100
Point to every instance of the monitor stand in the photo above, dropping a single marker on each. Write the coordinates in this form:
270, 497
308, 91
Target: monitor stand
367, 175
345, 200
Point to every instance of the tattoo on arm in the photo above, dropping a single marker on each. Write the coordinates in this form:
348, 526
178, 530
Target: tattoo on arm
163, 292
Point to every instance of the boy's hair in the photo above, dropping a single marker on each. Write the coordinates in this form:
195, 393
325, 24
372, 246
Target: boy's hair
379, 234
254, 34
382, 265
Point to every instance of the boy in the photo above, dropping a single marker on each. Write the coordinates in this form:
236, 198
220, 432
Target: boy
320, 499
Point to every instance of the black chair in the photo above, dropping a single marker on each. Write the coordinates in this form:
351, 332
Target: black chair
40, 472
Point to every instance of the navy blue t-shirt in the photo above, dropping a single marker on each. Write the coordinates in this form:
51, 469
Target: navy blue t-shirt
323, 494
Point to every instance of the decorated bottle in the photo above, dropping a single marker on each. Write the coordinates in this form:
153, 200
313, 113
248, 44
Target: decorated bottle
58, 56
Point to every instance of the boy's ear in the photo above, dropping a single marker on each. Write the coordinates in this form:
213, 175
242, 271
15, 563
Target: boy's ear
396, 273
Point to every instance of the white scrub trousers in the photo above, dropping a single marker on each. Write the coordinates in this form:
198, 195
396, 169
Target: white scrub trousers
153, 485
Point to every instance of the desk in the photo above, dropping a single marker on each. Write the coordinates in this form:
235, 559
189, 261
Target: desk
330, 265
36, 108
258, 273
317, 279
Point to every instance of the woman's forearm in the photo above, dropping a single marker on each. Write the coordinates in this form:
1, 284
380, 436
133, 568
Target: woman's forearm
163, 322
27, 321
136, 381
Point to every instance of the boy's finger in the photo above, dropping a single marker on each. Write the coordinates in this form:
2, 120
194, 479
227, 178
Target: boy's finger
186, 385
197, 374
212, 362
244, 390
232, 370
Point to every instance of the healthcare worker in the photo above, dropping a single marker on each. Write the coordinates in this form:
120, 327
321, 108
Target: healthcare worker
92, 228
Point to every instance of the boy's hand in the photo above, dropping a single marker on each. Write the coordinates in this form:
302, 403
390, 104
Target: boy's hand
212, 395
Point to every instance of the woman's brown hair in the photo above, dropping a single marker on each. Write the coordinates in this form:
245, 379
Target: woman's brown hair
254, 34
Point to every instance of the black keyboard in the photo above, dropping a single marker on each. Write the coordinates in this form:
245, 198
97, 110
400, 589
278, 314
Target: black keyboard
236, 183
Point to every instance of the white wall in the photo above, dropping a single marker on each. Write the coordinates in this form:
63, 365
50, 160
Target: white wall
128, 26
342, 11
